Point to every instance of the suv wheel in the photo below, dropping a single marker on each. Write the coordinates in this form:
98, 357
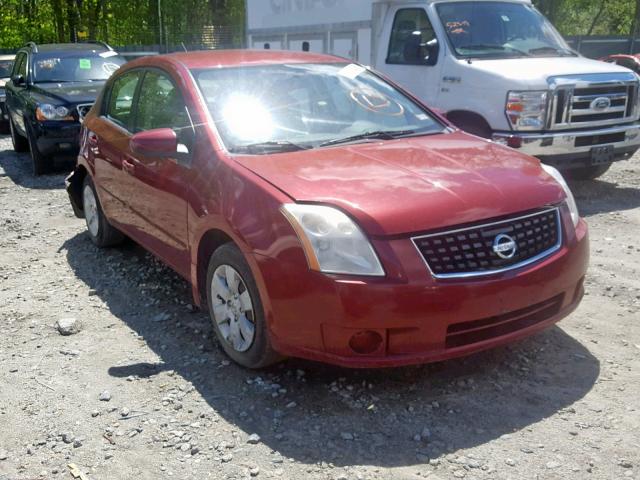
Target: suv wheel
100, 231
39, 162
20, 143
236, 310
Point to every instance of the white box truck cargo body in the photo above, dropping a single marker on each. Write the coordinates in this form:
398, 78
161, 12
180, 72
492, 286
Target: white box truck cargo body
497, 68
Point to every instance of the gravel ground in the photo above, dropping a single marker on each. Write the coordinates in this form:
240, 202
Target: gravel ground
142, 392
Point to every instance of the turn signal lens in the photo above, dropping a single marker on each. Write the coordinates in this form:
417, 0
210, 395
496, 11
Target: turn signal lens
527, 110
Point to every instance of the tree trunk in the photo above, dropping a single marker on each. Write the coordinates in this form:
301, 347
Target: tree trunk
94, 19
597, 17
58, 18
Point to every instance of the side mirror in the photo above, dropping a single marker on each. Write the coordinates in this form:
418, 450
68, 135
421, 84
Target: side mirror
18, 80
433, 51
161, 142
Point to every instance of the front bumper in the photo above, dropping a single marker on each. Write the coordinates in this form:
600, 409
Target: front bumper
420, 319
58, 138
573, 148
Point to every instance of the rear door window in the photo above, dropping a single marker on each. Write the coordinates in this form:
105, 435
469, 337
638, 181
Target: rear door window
120, 106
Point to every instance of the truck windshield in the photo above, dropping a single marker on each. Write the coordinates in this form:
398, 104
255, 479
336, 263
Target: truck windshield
262, 109
76, 68
500, 30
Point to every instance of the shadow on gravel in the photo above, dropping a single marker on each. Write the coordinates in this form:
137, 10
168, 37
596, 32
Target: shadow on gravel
17, 166
599, 196
340, 416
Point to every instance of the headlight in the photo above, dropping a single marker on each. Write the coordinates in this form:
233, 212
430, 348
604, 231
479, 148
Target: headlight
571, 202
46, 111
527, 110
332, 242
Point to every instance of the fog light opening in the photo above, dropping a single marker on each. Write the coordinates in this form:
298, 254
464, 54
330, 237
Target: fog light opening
365, 342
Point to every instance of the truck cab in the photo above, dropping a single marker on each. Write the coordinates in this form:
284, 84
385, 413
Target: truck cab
497, 68
500, 70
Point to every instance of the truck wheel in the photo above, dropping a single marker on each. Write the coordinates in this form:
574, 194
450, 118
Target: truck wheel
587, 173
20, 143
236, 310
39, 162
100, 231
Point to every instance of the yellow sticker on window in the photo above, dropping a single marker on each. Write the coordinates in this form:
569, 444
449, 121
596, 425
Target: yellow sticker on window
85, 64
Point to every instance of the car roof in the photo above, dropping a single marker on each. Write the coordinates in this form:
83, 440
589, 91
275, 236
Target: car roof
239, 58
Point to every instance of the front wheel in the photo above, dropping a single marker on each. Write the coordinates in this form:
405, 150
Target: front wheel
236, 310
587, 173
20, 143
39, 162
100, 231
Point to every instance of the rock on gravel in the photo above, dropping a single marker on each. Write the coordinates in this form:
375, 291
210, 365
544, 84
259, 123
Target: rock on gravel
105, 396
68, 326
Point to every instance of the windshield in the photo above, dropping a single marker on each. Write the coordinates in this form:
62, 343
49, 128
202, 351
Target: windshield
500, 29
5, 68
76, 68
307, 105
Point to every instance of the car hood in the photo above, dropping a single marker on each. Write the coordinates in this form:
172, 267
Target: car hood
534, 73
3, 82
72, 92
412, 185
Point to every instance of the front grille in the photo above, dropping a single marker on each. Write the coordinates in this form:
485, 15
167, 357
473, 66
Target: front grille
83, 110
467, 333
471, 251
572, 106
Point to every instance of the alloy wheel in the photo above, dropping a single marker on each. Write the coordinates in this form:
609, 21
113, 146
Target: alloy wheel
232, 308
91, 211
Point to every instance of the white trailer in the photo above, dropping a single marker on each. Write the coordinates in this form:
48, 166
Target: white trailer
497, 68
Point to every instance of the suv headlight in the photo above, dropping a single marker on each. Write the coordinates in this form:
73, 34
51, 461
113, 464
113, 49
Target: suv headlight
527, 110
571, 201
332, 242
46, 111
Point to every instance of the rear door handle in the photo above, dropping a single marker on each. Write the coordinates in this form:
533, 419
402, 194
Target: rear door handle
128, 166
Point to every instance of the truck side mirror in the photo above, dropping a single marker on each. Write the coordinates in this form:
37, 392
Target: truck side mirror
18, 80
433, 51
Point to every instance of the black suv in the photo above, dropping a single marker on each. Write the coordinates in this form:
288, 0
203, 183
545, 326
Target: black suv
51, 88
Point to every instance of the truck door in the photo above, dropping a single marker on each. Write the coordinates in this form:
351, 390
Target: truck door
407, 53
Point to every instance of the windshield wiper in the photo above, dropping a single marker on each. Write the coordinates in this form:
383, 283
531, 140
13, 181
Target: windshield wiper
551, 49
491, 46
376, 135
264, 147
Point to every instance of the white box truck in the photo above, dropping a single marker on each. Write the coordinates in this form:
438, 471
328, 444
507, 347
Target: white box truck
496, 68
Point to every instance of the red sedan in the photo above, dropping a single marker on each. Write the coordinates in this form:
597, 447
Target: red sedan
632, 62
320, 211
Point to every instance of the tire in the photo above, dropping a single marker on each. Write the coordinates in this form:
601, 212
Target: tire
471, 123
587, 173
20, 144
100, 231
230, 299
39, 163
